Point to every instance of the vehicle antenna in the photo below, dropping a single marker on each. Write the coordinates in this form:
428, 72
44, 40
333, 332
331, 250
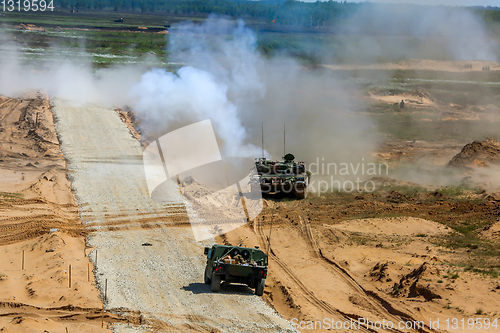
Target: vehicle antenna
269, 238
284, 142
263, 140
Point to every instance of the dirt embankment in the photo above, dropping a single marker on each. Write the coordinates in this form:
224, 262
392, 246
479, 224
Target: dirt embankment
34, 191
478, 153
41, 234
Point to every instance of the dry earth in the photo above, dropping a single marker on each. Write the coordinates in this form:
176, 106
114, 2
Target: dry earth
35, 197
424, 64
392, 255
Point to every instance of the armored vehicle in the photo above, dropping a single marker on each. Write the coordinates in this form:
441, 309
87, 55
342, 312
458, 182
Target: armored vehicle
236, 264
286, 176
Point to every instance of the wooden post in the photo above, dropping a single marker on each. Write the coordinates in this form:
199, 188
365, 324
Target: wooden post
66, 330
70, 276
95, 258
106, 291
88, 272
23, 261
102, 317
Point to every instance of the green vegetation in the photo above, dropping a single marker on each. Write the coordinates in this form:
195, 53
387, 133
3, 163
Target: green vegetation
301, 29
493, 272
409, 191
396, 288
9, 195
277, 12
282, 12
451, 191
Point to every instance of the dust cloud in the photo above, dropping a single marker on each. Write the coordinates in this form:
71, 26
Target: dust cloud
230, 82
60, 76
381, 32
226, 79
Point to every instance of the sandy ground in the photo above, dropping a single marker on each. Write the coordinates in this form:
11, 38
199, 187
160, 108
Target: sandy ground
331, 257
424, 64
419, 98
36, 195
35, 198
39, 297
375, 268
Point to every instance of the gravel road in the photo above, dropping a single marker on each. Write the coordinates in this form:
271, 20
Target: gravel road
164, 282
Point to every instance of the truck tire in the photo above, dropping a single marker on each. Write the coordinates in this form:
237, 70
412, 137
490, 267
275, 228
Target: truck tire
301, 194
259, 289
215, 286
205, 277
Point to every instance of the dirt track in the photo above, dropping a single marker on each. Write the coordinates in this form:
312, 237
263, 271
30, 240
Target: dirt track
164, 281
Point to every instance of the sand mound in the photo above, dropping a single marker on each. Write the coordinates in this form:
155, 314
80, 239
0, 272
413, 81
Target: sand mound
387, 271
416, 283
491, 232
478, 153
415, 97
397, 197
402, 226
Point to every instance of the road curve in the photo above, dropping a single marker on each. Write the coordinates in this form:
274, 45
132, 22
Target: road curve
164, 282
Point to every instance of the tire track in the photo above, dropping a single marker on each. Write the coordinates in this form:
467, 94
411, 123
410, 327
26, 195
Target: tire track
309, 295
382, 306
161, 281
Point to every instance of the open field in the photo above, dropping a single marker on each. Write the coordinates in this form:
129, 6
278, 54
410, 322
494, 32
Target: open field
424, 244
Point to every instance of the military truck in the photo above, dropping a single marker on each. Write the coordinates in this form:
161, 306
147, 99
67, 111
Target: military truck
286, 176
236, 264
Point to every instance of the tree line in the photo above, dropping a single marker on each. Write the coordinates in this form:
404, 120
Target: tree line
280, 12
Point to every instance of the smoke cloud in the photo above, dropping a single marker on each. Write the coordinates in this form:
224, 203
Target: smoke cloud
226, 79
58, 76
380, 32
230, 82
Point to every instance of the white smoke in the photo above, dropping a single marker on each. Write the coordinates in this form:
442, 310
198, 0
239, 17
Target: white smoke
227, 80
61, 77
380, 32
187, 97
222, 75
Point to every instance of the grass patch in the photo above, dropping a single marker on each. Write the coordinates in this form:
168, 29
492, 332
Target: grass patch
452, 191
486, 271
479, 311
10, 195
409, 191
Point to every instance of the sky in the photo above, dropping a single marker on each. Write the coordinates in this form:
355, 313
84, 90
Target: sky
443, 2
